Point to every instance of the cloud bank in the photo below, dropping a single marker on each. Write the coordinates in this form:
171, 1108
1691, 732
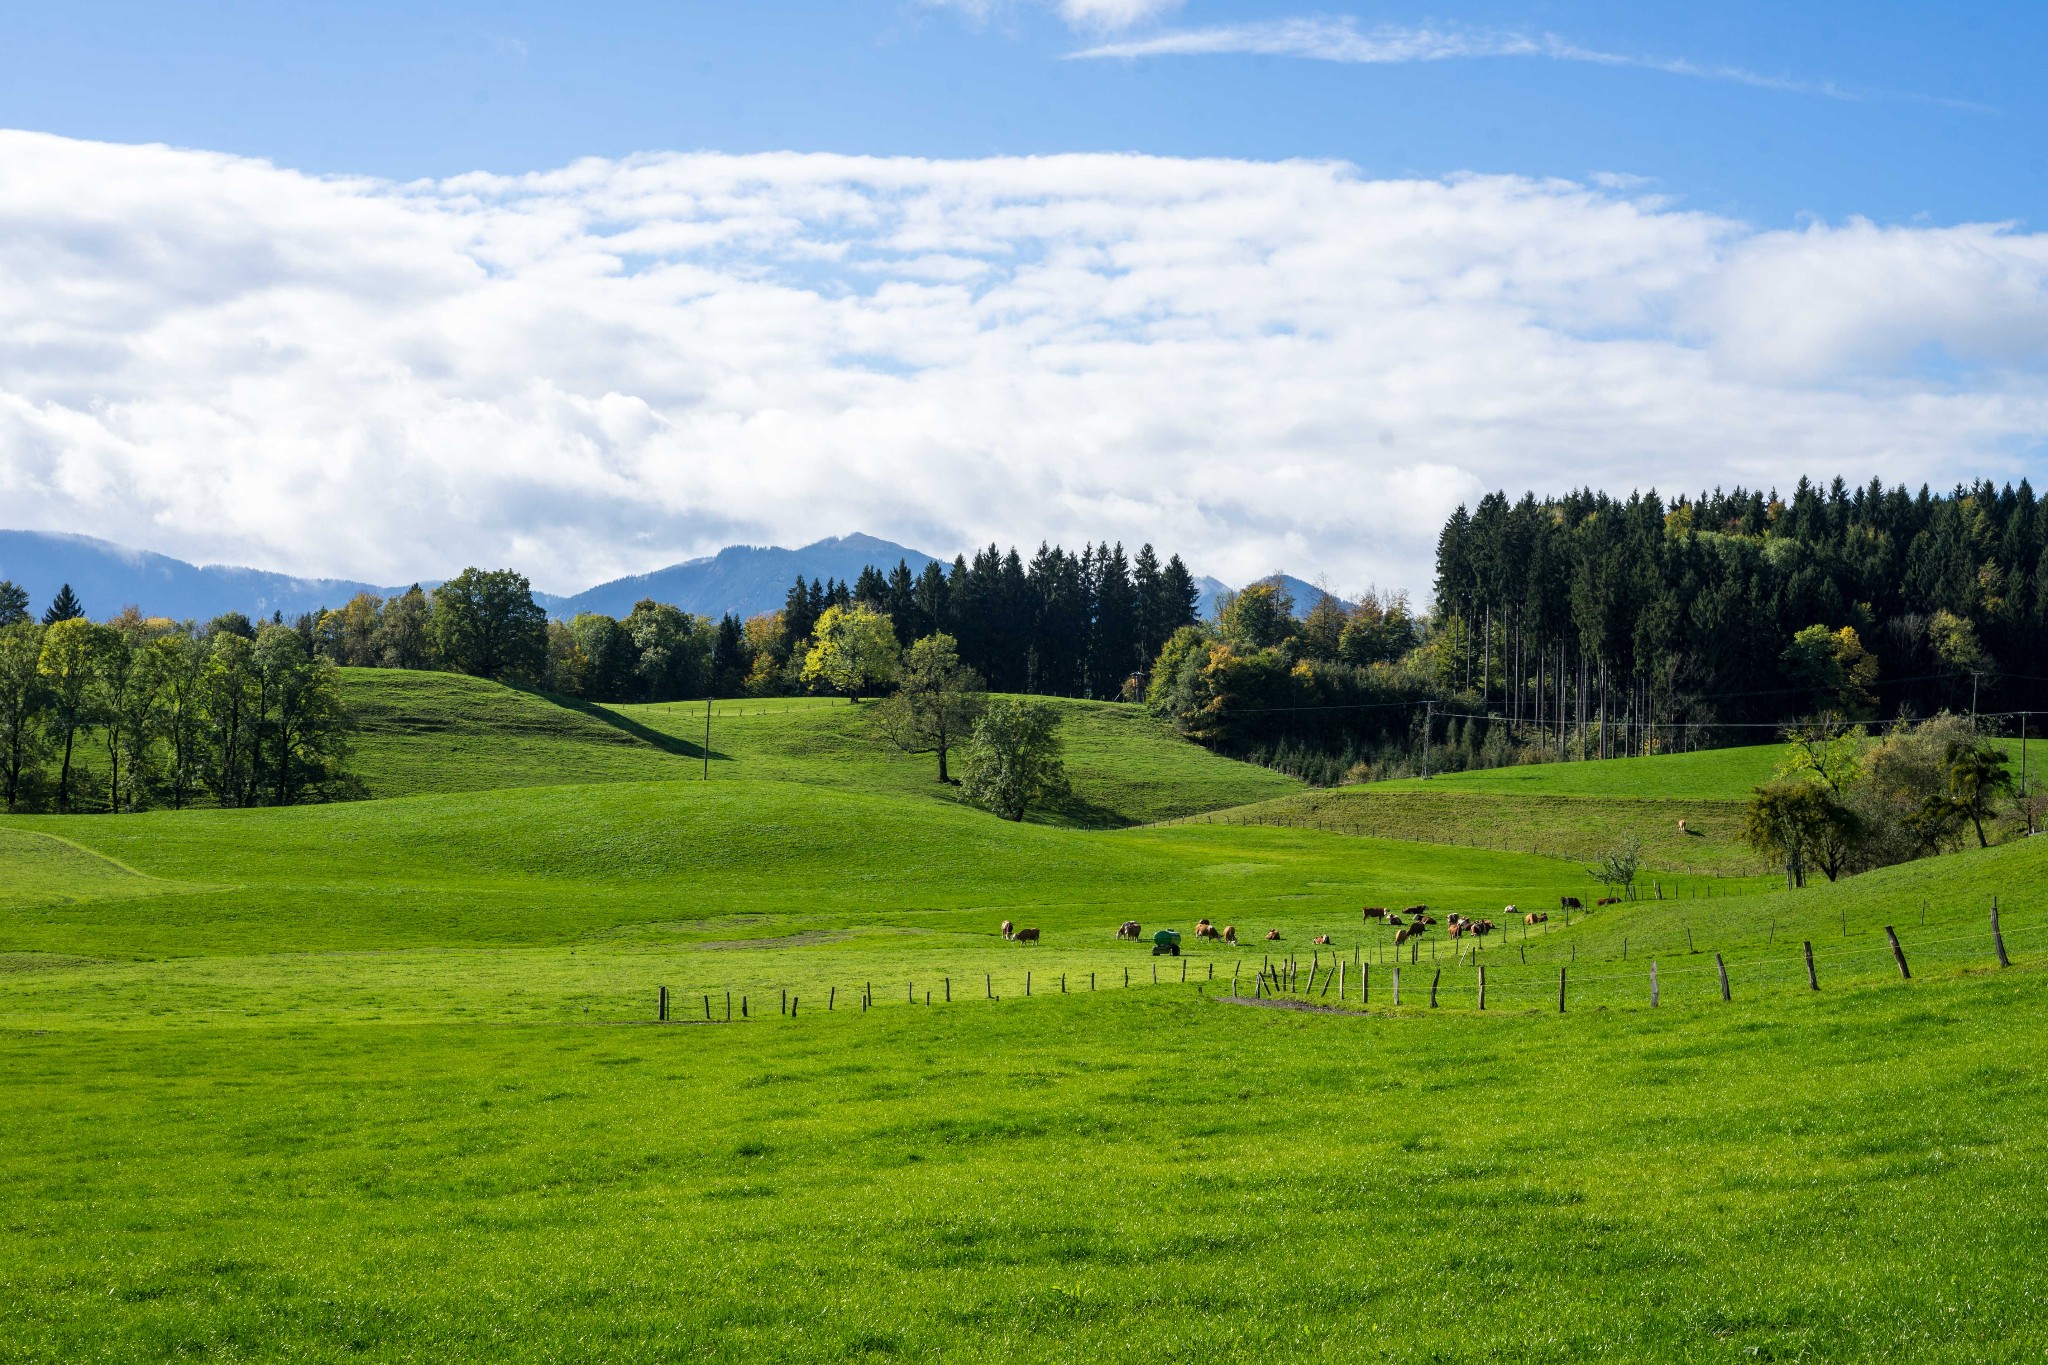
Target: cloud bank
609, 366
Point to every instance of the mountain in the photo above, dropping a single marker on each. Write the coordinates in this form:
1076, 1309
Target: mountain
745, 579
1304, 594
108, 577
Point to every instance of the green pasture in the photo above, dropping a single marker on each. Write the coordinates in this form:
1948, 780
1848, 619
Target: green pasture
1710, 774
381, 1080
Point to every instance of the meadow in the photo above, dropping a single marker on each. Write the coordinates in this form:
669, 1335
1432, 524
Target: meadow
381, 1080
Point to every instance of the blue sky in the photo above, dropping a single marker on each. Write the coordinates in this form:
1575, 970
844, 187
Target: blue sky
377, 291
1936, 110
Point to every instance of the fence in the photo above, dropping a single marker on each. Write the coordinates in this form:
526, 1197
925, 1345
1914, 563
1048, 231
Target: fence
1485, 980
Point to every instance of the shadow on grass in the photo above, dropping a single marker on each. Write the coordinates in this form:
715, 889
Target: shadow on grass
668, 744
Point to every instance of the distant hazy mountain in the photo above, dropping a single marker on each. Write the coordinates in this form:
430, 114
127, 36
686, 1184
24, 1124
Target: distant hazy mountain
747, 579
108, 577
1304, 594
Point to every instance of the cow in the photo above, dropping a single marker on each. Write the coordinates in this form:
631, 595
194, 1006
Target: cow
1373, 912
1027, 936
1482, 927
1129, 929
1416, 909
1608, 900
1206, 930
1323, 939
1681, 826
1509, 910
1230, 934
1272, 934
1457, 928
1395, 922
1425, 920
1009, 929
1536, 917
1569, 903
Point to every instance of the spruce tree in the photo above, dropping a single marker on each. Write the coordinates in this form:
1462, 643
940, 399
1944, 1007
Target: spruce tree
64, 607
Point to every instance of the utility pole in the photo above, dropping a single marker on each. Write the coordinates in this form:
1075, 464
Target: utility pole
707, 739
1428, 716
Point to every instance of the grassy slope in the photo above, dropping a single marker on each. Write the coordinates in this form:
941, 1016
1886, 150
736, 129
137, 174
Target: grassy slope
293, 1136
1713, 774
1571, 827
1113, 1178
444, 732
1127, 766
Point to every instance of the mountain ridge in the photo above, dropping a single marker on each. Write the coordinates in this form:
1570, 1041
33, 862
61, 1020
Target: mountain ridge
743, 579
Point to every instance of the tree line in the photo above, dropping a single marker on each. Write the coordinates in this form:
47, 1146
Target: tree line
1590, 626
141, 711
1066, 624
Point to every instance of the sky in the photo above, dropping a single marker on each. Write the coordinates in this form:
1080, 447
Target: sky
378, 291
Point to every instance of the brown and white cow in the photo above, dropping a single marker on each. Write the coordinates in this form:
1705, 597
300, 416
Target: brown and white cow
1373, 912
1272, 934
1230, 934
1206, 930
1323, 939
1608, 900
1009, 929
1536, 917
1129, 929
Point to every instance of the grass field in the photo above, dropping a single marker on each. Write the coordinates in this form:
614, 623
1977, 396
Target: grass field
380, 1080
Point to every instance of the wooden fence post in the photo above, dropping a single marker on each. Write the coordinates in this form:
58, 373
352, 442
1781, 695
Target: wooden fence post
831, 999
1340, 981
728, 1007
1365, 983
661, 1005
1233, 979
783, 1008
1812, 979
1183, 971
1397, 985
792, 1006
1998, 939
1433, 985
988, 985
949, 990
707, 1009
1722, 968
1898, 953
1027, 983
1482, 988
1653, 983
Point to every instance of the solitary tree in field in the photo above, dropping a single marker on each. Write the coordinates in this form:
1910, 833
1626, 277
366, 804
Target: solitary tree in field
1012, 762
937, 700
487, 624
853, 650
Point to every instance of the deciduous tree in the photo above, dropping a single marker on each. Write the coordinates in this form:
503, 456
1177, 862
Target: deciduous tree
1012, 762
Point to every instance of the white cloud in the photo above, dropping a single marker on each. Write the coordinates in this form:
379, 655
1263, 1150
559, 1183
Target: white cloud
1342, 40
616, 364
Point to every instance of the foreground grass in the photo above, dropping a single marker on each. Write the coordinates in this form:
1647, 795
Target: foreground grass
1126, 1177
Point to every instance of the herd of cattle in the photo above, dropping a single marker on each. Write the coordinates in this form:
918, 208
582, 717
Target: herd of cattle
1410, 923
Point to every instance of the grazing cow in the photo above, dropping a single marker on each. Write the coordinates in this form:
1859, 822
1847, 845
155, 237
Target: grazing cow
1323, 939
1206, 930
1569, 903
1608, 900
1129, 929
1230, 934
1373, 912
1457, 927
1272, 934
1416, 909
1681, 826
1536, 917
1027, 936
1009, 929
